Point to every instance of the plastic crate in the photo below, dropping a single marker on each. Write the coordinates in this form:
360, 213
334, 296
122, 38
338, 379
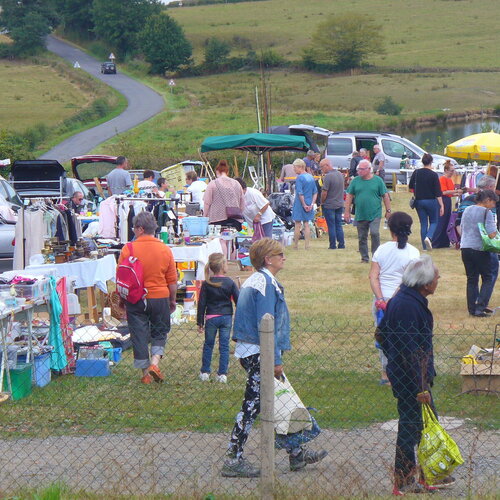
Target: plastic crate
34, 291
92, 368
197, 226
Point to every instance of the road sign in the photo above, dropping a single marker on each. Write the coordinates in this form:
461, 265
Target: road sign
76, 65
111, 57
171, 83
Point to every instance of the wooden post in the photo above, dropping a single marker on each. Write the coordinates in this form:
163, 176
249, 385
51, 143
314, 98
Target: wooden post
266, 332
394, 182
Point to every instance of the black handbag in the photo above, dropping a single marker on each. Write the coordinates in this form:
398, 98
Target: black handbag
412, 199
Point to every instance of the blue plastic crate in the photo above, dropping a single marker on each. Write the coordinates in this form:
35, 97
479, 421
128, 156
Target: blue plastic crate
197, 226
92, 368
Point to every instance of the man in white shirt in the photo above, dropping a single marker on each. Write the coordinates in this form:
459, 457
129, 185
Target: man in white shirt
195, 187
257, 209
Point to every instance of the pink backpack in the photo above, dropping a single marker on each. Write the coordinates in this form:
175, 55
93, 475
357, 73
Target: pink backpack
130, 278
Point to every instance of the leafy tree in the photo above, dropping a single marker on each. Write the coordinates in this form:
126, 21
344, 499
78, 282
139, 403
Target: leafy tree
216, 52
13, 146
28, 22
164, 44
387, 106
76, 15
345, 41
118, 22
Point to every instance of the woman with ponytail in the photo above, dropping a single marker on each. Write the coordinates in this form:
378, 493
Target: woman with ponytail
215, 314
388, 264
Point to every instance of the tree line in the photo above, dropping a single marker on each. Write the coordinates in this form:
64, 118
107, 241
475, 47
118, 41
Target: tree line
142, 28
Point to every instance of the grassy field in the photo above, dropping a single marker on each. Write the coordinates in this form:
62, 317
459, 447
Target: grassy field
224, 104
33, 93
418, 32
329, 298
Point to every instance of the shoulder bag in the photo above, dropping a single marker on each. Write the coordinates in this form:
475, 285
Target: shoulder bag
489, 244
412, 199
232, 212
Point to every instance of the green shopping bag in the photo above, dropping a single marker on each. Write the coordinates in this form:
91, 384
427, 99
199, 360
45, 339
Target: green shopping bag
489, 244
438, 454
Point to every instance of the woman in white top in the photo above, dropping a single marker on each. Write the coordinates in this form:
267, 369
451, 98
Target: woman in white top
257, 209
388, 264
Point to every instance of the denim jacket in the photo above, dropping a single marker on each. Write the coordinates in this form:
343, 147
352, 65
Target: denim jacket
261, 294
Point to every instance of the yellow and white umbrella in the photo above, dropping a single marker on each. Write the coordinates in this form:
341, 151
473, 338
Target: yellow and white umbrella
484, 147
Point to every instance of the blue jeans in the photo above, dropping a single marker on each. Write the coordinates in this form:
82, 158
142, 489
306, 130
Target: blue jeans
223, 325
333, 217
428, 214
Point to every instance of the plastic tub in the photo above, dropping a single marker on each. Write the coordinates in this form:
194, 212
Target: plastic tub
20, 378
197, 226
41, 368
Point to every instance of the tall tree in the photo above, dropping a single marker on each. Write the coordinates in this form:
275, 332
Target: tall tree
345, 41
76, 15
164, 44
28, 22
118, 22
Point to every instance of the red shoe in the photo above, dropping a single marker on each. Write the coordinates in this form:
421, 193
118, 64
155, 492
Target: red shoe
412, 489
147, 379
155, 372
444, 483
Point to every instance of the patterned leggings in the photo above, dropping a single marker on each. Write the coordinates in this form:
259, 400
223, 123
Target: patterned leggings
250, 407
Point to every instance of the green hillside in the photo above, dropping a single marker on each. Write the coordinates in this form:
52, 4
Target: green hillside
445, 33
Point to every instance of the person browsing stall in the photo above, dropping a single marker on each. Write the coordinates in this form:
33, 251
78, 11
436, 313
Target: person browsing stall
257, 209
118, 180
332, 203
196, 187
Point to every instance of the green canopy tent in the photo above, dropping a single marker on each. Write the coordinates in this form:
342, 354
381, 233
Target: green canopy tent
257, 144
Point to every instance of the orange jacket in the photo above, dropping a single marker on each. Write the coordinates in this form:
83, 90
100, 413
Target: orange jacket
157, 263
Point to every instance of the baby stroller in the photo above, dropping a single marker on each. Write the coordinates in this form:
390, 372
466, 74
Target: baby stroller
282, 203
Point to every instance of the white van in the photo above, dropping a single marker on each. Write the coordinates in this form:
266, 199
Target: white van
342, 144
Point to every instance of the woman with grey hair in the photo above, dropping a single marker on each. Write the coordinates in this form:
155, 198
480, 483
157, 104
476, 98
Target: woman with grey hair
303, 211
149, 319
405, 334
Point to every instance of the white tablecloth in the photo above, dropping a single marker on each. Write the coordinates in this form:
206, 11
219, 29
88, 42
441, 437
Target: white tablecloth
198, 254
87, 273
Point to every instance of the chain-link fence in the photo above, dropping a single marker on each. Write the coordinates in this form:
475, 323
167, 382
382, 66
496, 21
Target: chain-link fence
115, 434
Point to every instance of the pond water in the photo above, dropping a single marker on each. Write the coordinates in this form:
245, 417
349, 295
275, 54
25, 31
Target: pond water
435, 139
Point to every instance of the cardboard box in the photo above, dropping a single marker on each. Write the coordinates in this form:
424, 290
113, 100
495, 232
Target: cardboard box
401, 188
482, 377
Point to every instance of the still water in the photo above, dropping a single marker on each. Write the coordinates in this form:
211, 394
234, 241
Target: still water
435, 139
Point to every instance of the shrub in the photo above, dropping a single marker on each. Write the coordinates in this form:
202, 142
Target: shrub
388, 107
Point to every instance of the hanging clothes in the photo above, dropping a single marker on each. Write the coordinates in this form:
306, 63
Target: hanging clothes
58, 355
107, 217
29, 237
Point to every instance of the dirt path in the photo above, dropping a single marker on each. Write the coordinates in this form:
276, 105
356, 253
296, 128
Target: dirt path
359, 462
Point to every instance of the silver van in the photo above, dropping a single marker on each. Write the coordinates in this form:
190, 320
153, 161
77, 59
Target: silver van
341, 145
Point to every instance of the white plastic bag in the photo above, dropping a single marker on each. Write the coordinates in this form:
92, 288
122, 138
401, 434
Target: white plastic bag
290, 414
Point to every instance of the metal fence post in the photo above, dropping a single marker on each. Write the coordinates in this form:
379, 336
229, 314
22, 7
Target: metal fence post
266, 331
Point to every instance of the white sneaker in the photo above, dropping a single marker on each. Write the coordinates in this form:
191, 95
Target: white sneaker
428, 243
204, 377
221, 378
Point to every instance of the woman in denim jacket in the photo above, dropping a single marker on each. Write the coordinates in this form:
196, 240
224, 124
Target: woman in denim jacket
260, 294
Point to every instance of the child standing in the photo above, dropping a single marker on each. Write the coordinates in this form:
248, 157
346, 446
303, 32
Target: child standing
215, 312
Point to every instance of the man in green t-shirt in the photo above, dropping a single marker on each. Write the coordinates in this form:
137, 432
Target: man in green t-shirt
367, 190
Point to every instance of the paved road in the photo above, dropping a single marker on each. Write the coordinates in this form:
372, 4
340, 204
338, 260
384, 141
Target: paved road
143, 103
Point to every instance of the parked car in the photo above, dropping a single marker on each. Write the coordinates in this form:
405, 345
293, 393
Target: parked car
108, 68
46, 179
87, 167
342, 144
8, 225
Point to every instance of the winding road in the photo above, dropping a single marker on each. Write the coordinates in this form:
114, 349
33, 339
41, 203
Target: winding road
143, 103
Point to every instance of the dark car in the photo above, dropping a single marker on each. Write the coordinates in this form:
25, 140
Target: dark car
46, 179
108, 68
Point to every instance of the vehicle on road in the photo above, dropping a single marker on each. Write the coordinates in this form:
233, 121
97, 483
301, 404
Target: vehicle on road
108, 68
